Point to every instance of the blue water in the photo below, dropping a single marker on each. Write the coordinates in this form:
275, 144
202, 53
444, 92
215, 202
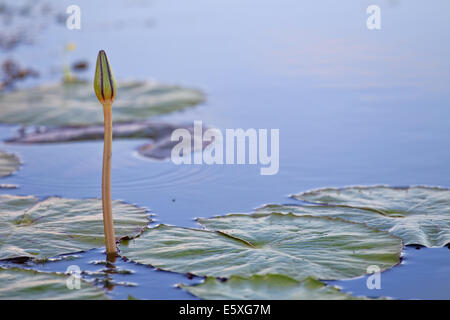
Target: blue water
354, 107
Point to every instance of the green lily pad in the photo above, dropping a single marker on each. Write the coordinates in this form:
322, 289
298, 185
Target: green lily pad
243, 245
21, 284
159, 133
42, 229
418, 215
76, 104
265, 287
8, 163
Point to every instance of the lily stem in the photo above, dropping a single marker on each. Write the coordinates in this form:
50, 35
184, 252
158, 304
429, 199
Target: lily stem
108, 221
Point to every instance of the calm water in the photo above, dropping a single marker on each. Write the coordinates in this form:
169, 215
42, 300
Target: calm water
353, 107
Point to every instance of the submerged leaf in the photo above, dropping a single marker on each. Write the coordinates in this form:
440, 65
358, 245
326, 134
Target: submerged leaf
75, 104
265, 287
418, 215
159, 133
42, 229
18, 284
140, 129
244, 245
8, 163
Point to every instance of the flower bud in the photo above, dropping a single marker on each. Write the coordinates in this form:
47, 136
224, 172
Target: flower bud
104, 83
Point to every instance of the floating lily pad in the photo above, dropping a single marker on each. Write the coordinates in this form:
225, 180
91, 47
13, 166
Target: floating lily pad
265, 287
20, 284
8, 163
42, 229
418, 215
76, 104
245, 245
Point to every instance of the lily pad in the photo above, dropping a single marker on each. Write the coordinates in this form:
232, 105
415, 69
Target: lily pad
76, 104
244, 245
20, 284
418, 215
42, 229
265, 287
8, 163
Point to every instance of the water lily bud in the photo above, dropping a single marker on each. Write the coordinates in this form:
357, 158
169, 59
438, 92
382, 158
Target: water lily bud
104, 83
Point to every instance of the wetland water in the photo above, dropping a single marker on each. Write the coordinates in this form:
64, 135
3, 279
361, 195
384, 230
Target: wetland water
354, 107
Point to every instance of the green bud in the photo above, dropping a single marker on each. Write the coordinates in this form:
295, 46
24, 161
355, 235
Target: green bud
104, 83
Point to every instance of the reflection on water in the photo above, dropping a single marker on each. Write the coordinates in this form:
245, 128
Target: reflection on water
354, 107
